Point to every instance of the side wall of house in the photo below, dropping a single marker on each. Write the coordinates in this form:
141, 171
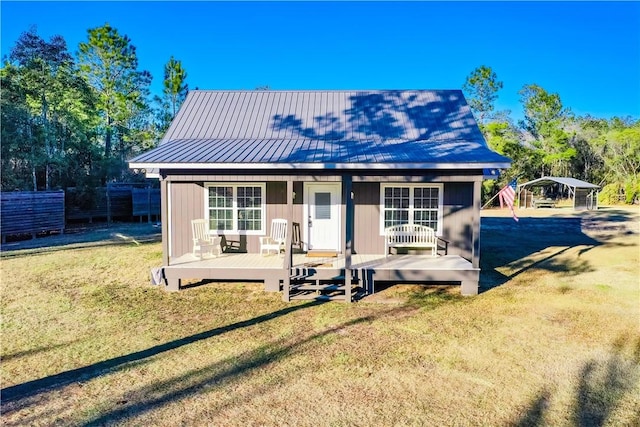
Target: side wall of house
459, 213
186, 203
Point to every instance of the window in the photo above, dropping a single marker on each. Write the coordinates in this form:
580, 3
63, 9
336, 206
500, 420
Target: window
323, 205
237, 208
411, 204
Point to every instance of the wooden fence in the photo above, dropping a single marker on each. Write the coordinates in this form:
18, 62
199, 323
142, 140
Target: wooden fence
31, 212
146, 202
116, 201
104, 203
34, 212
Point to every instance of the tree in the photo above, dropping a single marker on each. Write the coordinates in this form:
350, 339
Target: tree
109, 62
544, 118
175, 86
587, 164
543, 111
481, 88
19, 161
620, 150
173, 94
45, 107
39, 63
505, 138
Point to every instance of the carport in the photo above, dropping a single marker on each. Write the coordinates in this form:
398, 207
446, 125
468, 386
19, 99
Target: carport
583, 195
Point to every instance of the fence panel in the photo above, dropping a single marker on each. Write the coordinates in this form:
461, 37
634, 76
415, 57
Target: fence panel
146, 201
107, 203
31, 212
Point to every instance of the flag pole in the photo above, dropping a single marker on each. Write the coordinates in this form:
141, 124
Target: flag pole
498, 193
490, 200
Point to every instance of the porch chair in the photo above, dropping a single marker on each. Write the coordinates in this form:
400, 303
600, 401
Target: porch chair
202, 240
276, 240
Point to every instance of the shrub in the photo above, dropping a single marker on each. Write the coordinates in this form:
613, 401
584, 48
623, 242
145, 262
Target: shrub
632, 189
609, 195
616, 193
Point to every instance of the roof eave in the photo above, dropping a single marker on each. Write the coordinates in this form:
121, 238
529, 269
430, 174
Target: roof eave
317, 166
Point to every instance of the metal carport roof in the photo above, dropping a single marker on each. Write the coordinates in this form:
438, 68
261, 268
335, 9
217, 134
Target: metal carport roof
573, 185
547, 180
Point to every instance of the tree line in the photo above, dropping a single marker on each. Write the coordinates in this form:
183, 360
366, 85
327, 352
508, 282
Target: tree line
73, 120
551, 140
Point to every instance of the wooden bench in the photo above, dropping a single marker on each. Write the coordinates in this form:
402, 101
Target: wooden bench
410, 236
544, 203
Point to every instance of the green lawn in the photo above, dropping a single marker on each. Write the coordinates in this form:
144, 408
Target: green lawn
553, 339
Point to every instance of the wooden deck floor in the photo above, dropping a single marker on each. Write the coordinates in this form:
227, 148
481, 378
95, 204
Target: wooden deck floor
358, 261
366, 269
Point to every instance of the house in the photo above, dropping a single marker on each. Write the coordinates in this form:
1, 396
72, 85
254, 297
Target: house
340, 166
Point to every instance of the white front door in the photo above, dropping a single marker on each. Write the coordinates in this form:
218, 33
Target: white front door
322, 211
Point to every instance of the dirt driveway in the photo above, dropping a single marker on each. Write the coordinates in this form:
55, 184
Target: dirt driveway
86, 235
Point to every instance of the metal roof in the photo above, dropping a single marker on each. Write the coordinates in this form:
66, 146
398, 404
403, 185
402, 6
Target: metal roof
547, 180
323, 129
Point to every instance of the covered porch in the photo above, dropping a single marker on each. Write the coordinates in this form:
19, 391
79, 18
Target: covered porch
353, 216
318, 277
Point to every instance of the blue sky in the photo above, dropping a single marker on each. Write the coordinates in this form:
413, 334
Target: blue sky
587, 52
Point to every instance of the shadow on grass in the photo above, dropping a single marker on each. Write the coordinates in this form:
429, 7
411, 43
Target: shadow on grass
506, 242
601, 387
536, 412
52, 382
423, 295
19, 354
215, 375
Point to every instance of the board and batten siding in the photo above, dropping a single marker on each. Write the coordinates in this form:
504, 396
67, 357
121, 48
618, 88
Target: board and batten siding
188, 203
457, 212
458, 215
366, 218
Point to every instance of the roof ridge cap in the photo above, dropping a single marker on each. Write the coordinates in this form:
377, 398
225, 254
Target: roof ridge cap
324, 90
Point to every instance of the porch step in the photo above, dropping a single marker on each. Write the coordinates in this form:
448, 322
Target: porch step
317, 297
311, 277
318, 285
322, 292
316, 274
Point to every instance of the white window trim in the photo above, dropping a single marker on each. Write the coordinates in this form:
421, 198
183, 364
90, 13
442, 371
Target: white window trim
235, 185
440, 188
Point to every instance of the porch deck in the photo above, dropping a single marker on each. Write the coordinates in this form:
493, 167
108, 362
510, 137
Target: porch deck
366, 268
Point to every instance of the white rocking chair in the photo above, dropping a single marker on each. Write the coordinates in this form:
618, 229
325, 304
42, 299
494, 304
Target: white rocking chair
202, 240
275, 241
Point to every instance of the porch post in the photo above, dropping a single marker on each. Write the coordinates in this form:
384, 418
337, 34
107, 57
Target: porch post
477, 202
164, 219
347, 214
347, 232
288, 255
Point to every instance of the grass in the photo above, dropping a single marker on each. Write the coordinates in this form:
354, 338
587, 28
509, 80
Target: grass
554, 339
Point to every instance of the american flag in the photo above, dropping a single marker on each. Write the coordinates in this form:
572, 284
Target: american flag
507, 196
